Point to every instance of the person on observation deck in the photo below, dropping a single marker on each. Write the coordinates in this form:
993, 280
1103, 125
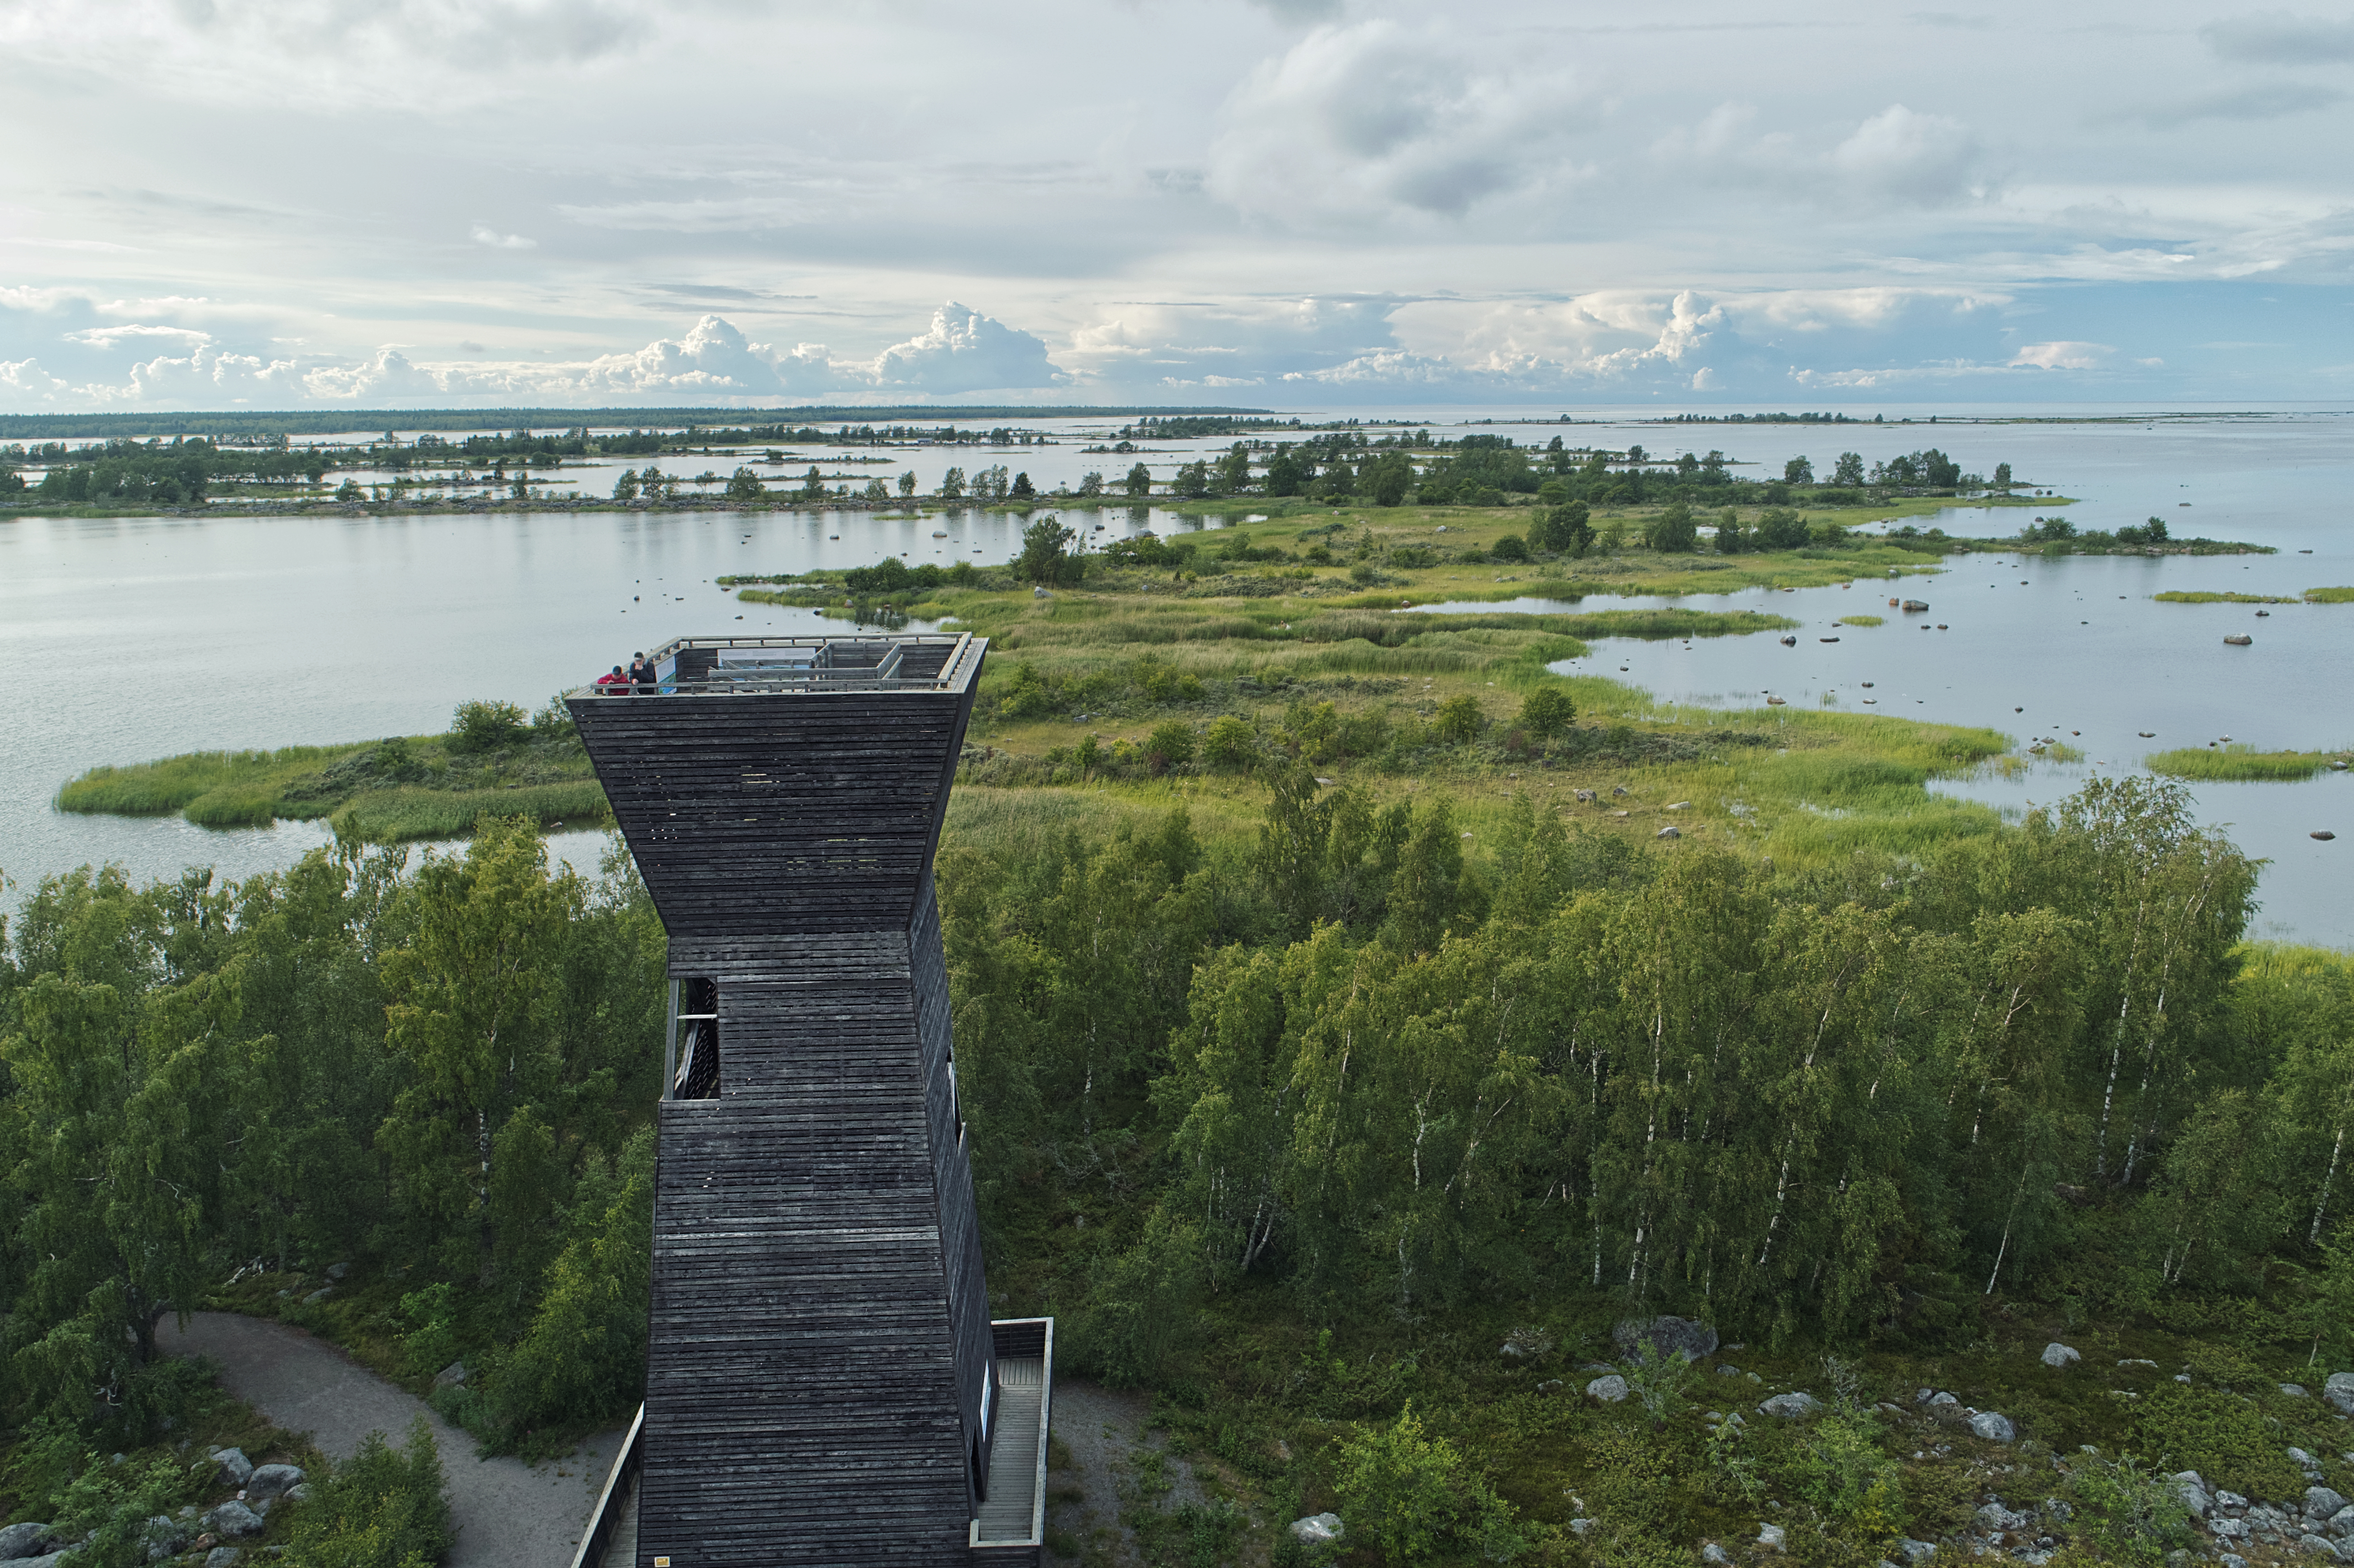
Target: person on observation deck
641, 675
616, 685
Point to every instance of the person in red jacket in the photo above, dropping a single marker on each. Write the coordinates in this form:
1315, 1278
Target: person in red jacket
616, 685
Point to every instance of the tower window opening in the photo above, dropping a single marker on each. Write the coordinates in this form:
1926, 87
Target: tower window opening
696, 1021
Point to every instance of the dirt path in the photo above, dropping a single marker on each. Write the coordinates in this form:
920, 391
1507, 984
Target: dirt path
1103, 1431
509, 1514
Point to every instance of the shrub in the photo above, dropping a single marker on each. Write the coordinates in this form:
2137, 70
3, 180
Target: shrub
383, 1508
1418, 1500
2133, 1515
1566, 528
1027, 696
1230, 743
1779, 528
1547, 712
1459, 720
1511, 548
486, 726
1673, 532
1169, 745
2219, 1436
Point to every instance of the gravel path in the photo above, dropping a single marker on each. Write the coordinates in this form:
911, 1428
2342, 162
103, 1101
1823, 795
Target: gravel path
509, 1514
1103, 1429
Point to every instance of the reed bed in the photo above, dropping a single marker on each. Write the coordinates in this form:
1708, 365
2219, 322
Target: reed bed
2240, 763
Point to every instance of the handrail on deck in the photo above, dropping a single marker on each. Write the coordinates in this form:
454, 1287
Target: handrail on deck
599, 1533
881, 676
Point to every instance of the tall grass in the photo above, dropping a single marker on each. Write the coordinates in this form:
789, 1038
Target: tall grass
399, 816
2200, 595
2330, 595
157, 788
2237, 763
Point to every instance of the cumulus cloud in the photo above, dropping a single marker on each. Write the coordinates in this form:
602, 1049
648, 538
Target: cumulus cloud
2063, 355
965, 351
1375, 120
713, 359
1895, 156
714, 362
2278, 38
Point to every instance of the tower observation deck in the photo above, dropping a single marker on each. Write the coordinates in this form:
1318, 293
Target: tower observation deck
823, 1382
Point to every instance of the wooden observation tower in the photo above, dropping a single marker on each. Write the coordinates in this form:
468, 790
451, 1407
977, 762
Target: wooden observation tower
823, 1385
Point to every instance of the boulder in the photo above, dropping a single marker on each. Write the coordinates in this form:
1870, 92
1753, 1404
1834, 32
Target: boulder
235, 1520
454, 1373
1993, 1428
166, 1537
234, 1467
301, 1493
1726, 1369
2320, 1546
2195, 1497
1580, 1526
2320, 1502
46, 1560
1317, 1530
1772, 1537
1995, 1520
2339, 1391
1609, 1390
273, 1480
2056, 1354
1669, 1335
222, 1557
1917, 1551
1941, 1400
1667, 834
23, 1540
2293, 1390
1712, 1552
2341, 1523
318, 1295
338, 1270
1790, 1406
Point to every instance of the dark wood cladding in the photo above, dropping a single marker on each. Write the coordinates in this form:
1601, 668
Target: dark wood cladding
951, 1170
820, 1345
778, 812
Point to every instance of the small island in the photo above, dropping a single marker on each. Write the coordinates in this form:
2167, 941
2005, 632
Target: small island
2240, 763
494, 761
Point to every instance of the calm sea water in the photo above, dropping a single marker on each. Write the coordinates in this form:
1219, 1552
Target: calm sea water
137, 638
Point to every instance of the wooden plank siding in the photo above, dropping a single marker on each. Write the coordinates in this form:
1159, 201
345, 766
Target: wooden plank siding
821, 1346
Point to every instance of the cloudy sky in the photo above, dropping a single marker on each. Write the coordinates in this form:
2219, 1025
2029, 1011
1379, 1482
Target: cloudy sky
1292, 203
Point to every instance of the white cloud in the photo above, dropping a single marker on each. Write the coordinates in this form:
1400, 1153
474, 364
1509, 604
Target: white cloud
2063, 355
483, 234
1370, 121
1924, 159
712, 359
114, 336
965, 351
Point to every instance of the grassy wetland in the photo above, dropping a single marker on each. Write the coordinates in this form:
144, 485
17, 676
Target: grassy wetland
493, 762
